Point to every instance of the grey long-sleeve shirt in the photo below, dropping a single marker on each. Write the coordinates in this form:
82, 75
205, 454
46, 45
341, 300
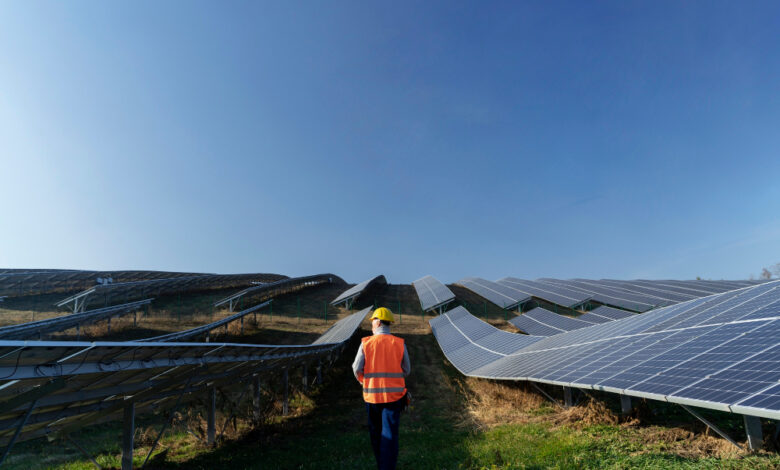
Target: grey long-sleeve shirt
360, 358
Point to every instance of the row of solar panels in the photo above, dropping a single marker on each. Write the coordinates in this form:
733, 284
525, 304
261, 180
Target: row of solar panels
108, 293
35, 282
636, 296
720, 352
50, 387
55, 386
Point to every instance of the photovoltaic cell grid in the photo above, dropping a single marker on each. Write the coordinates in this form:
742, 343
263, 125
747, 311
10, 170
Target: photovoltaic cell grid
61, 386
542, 322
469, 343
605, 295
37, 328
354, 292
503, 296
555, 294
719, 352
34, 282
130, 290
432, 293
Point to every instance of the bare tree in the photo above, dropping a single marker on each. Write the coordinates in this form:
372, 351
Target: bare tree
766, 274
775, 268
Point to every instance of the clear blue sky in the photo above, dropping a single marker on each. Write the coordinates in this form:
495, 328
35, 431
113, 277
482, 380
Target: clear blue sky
533, 139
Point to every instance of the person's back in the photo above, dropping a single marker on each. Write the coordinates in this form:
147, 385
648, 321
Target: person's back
381, 364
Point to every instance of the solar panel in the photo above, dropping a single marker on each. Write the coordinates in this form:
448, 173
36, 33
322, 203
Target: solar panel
719, 352
613, 313
649, 289
284, 286
38, 328
432, 293
591, 317
71, 384
34, 282
605, 295
554, 294
534, 327
353, 293
501, 295
542, 320
469, 343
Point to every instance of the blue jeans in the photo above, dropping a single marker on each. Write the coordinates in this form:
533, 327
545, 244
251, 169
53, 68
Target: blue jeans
383, 419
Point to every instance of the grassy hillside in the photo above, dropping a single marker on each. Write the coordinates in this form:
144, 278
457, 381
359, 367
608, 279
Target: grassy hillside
456, 422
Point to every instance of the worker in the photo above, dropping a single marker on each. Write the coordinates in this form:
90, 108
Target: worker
381, 364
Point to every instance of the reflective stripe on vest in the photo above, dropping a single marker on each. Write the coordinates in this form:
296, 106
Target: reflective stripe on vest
383, 378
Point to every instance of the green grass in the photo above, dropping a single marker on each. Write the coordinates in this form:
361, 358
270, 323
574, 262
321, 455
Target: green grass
327, 425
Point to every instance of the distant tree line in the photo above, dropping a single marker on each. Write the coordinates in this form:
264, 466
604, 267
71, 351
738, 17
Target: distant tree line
769, 272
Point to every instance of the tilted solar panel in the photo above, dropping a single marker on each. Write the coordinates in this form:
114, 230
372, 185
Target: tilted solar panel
70, 384
606, 296
503, 296
470, 343
355, 291
720, 352
432, 293
613, 313
554, 294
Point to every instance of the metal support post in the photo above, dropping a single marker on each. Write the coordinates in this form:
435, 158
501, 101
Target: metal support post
128, 432
211, 427
18, 430
753, 430
625, 404
306, 377
109, 325
78, 332
135, 318
711, 426
319, 371
567, 397
256, 399
286, 403
242, 325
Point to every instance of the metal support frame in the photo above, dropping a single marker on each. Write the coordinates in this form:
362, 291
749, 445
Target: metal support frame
128, 433
167, 423
306, 377
555, 402
712, 426
211, 427
319, 371
18, 431
256, 399
82, 450
286, 403
567, 397
625, 404
230, 417
755, 437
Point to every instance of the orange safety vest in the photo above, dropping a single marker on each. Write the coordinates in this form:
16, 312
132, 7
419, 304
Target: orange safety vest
383, 378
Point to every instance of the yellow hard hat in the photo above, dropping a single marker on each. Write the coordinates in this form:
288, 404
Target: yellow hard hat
383, 314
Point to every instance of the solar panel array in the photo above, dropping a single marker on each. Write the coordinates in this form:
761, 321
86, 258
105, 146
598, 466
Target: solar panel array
454, 332
57, 387
130, 290
284, 286
353, 293
555, 294
542, 322
720, 352
42, 281
36, 329
432, 293
205, 329
501, 295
